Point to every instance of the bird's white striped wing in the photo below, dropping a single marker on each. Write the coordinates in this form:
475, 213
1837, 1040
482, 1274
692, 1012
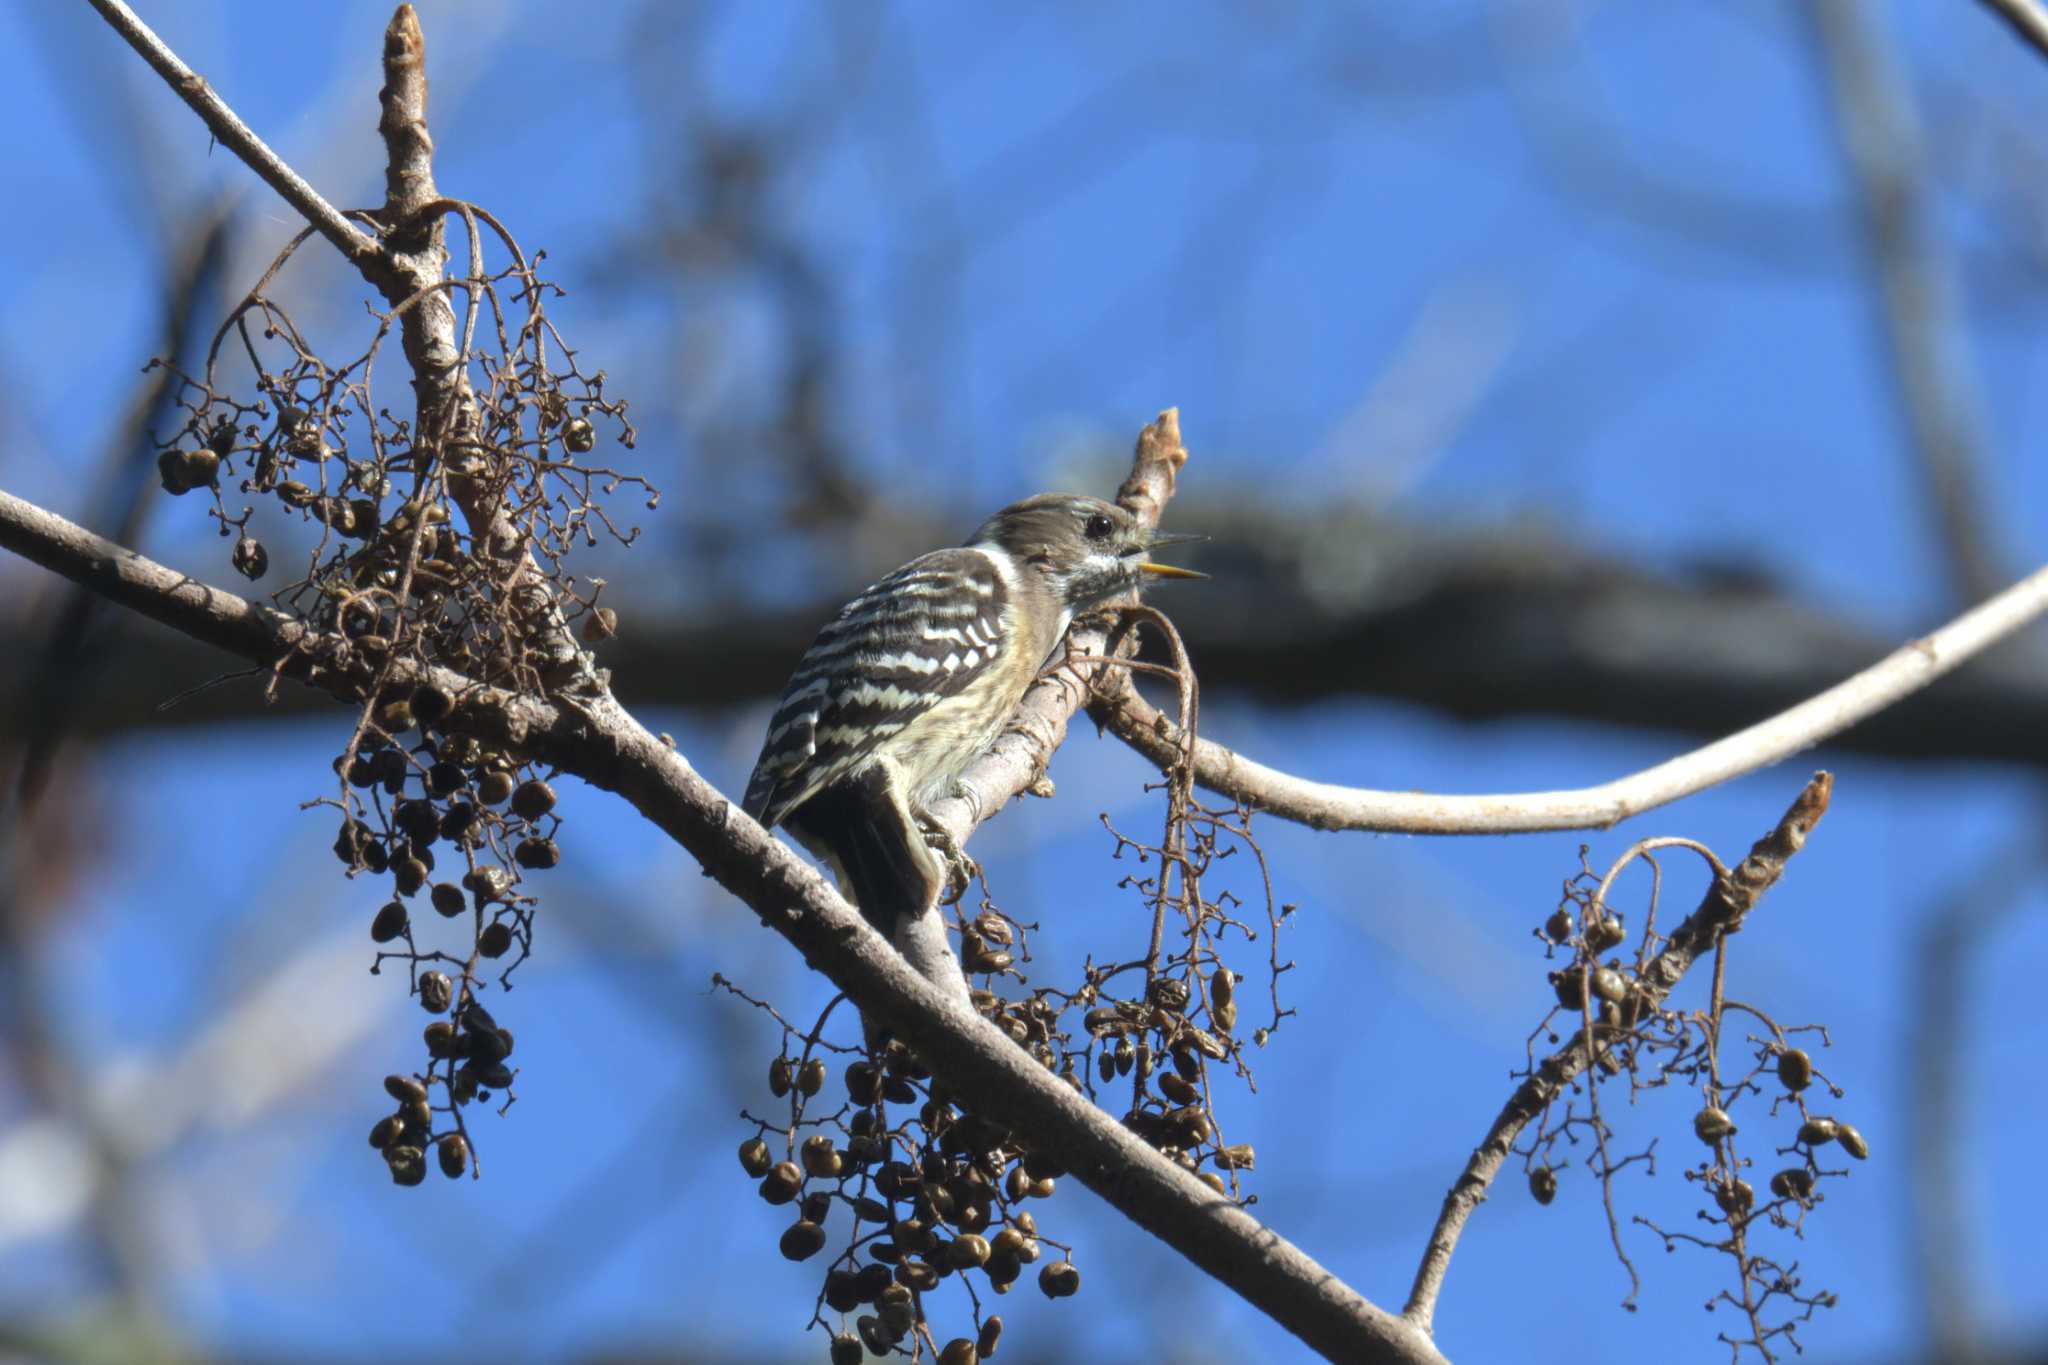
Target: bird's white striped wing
919, 636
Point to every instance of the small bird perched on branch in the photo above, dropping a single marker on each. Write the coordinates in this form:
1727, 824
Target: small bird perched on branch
913, 680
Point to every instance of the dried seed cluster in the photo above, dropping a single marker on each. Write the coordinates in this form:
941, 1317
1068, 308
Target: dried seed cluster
1607, 1009
433, 554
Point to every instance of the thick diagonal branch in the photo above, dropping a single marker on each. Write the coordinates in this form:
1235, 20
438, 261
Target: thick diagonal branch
600, 742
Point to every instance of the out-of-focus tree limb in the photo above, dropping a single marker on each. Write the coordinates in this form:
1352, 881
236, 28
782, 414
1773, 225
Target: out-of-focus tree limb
1923, 321
1475, 624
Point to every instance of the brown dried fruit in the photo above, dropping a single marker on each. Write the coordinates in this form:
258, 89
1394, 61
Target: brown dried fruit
1817, 1132
454, 1154
1059, 1280
390, 923
495, 940
1712, 1124
437, 992
781, 1183
408, 1164
531, 800
802, 1240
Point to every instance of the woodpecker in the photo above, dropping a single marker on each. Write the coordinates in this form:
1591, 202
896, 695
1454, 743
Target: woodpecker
913, 680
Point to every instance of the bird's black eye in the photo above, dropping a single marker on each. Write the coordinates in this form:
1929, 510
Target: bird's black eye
1099, 526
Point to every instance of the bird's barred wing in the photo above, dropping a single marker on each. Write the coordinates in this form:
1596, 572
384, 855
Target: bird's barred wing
920, 635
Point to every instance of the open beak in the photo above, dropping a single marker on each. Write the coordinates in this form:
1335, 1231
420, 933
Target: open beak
1152, 570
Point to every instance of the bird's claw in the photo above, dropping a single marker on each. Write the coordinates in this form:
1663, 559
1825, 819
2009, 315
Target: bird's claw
961, 870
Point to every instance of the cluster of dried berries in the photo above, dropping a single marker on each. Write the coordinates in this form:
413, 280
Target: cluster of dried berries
939, 1195
1604, 1004
929, 1192
434, 554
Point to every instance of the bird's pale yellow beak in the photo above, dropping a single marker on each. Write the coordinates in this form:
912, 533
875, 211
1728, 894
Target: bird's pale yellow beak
1168, 571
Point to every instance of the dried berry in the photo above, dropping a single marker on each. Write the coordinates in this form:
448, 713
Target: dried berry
1735, 1197
1558, 928
1795, 1069
1816, 1132
1794, 1182
390, 923
1570, 987
437, 992
601, 624
448, 899
495, 940
457, 820
1543, 1184
494, 788
537, 854
430, 704
250, 559
820, 1158
1852, 1141
1603, 933
802, 1240
454, 1154
579, 436
968, 1251
170, 470
409, 875
1059, 1280
1223, 1000
408, 1164
1712, 1124
781, 1183
441, 1040
405, 1089
755, 1158
1238, 1156
810, 1077
532, 800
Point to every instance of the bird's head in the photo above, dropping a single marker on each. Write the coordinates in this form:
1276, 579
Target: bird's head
1087, 550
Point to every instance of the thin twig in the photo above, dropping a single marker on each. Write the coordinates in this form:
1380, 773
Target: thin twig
1323, 805
237, 137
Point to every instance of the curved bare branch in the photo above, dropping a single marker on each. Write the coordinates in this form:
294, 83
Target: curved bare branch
1117, 706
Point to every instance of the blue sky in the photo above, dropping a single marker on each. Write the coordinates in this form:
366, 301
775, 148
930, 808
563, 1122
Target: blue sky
1655, 331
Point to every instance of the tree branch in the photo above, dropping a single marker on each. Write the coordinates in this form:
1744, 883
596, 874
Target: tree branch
1720, 911
360, 248
1321, 805
599, 741
1922, 313
2028, 18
